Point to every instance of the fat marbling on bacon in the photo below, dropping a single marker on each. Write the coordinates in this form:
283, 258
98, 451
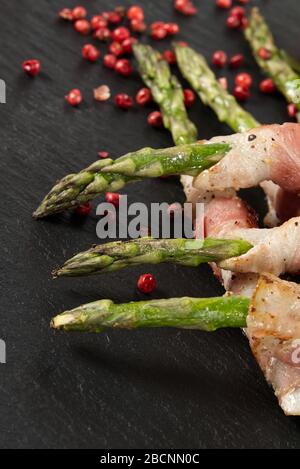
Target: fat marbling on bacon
273, 329
276, 250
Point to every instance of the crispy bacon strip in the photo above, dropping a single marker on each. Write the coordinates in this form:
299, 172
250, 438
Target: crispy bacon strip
267, 153
274, 336
276, 250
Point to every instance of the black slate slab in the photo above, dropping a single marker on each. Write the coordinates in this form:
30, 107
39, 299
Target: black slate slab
146, 389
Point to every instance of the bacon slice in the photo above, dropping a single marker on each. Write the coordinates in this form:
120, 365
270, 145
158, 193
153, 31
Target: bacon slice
274, 335
276, 250
225, 213
267, 153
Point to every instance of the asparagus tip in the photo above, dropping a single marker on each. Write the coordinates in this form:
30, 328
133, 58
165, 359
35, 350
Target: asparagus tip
61, 321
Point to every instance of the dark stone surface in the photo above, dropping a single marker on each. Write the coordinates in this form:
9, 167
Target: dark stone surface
146, 389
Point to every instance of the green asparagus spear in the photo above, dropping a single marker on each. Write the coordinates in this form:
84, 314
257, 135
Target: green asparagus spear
189, 159
207, 314
197, 72
76, 189
119, 255
167, 93
259, 36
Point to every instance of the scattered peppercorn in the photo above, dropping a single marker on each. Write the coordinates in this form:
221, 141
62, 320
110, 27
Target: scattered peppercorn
114, 17
223, 82
110, 61
244, 80
189, 97
74, 97
143, 96
172, 28
102, 93
264, 53
292, 110
267, 86
169, 56
155, 119
103, 154
181, 44
236, 60
79, 13
135, 13
32, 67
112, 198
116, 48
103, 34
66, 14
241, 94
219, 58
84, 209
238, 12
233, 22
224, 4
251, 137
120, 34
244, 23
123, 67
98, 22
83, 27
90, 52
146, 283
127, 45
186, 7
158, 31
138, 26
123, 101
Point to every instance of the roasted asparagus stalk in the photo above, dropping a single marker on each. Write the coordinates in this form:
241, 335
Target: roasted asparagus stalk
167, 93
207, 314
197, 72
119, 255
276, 65
86, 185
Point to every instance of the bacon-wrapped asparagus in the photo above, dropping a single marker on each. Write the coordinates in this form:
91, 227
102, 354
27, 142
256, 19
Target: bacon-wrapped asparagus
282, 204
270, 152
272, 317
273, 323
